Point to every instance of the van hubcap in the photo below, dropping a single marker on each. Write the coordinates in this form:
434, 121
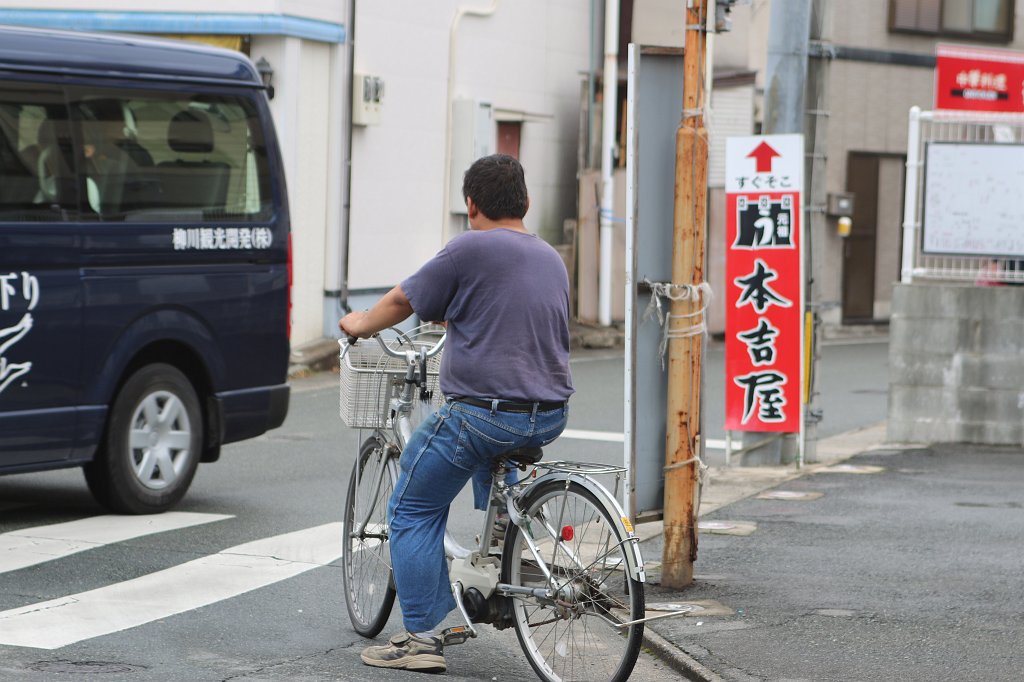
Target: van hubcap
160, 440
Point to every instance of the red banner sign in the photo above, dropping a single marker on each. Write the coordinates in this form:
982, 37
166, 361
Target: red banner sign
764, 284
979, 79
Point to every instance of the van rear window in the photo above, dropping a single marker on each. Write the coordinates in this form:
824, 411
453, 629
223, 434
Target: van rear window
36, 155
130, 155
150, 156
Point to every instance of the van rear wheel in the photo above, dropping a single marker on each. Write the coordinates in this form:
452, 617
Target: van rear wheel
152, 443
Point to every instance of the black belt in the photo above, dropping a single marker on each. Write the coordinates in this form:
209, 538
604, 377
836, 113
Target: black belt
505, 406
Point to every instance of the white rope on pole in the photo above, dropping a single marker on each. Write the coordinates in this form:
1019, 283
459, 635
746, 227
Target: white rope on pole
678, 292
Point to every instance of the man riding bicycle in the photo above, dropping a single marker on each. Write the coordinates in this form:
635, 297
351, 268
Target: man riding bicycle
504, 295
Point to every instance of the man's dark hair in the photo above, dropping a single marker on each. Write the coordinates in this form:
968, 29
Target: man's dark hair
497, 186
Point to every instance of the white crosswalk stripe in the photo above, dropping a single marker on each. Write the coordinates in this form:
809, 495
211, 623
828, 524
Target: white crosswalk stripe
59, 622
30, 546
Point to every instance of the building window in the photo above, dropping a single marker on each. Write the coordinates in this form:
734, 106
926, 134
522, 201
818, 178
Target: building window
979, 19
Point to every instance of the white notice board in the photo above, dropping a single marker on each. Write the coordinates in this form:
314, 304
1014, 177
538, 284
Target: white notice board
972, 199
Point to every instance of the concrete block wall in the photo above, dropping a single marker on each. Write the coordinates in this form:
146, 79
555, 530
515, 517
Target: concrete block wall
956, 364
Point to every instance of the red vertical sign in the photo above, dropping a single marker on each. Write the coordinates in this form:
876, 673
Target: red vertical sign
764, 284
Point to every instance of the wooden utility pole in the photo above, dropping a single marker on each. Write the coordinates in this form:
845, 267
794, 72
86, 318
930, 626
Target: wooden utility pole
682, 438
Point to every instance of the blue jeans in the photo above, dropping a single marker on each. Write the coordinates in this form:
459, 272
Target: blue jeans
457, 443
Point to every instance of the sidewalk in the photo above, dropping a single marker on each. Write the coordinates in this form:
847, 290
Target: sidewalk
322, 355
877, 563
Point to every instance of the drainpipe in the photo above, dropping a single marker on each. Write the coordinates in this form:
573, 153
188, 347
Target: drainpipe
453, 35
611, 86
339, 166
346, 195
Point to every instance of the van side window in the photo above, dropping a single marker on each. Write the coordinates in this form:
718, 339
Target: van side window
157, 157
37, 181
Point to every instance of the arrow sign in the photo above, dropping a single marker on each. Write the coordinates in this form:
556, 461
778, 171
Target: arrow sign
763, 154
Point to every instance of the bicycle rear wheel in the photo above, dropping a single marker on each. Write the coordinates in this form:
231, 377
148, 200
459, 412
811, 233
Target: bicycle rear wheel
574, 636
366, 557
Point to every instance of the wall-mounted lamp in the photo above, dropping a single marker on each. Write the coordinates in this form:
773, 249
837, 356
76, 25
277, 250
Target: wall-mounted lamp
267, 74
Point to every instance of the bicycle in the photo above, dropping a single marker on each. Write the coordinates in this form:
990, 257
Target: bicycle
567, 576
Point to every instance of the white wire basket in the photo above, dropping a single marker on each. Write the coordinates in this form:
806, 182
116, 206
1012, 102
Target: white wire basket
370, 378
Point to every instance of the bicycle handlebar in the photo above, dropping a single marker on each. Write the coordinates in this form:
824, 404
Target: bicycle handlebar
404, 354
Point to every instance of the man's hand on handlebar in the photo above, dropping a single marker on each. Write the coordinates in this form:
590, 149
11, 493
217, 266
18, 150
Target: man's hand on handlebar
387, 312
352, 326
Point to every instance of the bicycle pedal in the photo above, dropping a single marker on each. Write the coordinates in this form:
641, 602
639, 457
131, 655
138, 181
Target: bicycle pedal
457, 634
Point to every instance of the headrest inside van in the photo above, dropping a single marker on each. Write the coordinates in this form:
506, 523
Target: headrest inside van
190, 132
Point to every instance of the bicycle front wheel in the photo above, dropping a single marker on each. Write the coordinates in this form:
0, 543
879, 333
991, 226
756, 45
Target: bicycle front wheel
575, 636
366, 557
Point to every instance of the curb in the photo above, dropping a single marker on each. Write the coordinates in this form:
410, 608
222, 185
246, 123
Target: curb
317, 356
678, 660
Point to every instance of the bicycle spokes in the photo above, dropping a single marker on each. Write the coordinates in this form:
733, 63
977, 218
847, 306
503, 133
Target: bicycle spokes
572, 624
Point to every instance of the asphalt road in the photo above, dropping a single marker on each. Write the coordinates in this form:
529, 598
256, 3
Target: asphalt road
293, 627
214, 607
911, 573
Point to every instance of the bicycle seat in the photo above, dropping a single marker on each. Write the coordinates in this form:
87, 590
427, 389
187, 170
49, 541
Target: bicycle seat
523, 456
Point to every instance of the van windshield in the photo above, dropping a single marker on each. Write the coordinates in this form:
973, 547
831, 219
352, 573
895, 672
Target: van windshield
156, 157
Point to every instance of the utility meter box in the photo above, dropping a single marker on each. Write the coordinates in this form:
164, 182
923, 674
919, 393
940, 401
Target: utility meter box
840, 203
367, 99
474, 134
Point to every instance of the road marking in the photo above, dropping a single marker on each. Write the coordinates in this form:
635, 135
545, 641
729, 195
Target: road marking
608, 436
204, 581
613, 437
31, 546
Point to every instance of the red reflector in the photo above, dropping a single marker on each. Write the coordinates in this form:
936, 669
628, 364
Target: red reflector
567, 533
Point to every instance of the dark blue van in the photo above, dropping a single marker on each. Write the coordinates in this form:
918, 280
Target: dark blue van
144, 261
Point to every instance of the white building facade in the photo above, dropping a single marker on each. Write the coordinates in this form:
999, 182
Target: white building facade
375, 186
510, 74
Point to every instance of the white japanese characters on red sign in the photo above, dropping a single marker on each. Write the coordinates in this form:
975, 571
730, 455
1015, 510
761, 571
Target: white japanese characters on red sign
764, 283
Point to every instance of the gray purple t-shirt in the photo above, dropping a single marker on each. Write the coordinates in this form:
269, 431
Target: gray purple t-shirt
505, 297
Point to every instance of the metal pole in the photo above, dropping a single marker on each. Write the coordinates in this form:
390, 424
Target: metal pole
786, 71
816, 139
610, 104
910, 195
784, 110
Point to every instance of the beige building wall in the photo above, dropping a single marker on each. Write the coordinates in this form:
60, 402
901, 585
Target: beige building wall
865, 23
867, 107
868, 110
659, 22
